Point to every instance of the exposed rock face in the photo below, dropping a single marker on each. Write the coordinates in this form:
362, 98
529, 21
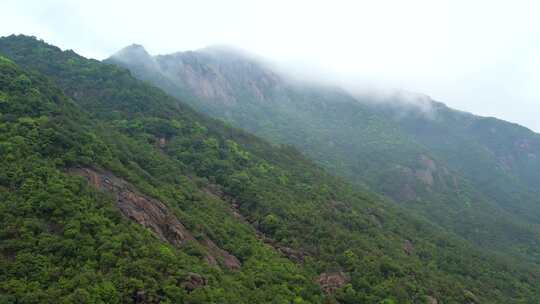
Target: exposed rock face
138, 207
228, 260
217, 74
136, 53
331, 282
214, 75
426, 175
428, 163
208, 86
408, 247
194, 281
161, 142
152, 214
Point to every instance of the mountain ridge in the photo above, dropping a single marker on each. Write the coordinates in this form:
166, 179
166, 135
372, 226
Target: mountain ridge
382, 141
63, 239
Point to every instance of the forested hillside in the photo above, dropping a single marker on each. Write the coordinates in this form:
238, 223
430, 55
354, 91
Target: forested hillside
498, 157
477, 177
114, 192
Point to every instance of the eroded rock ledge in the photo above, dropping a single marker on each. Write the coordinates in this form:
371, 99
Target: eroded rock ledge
152, 214
144, 210
331, 282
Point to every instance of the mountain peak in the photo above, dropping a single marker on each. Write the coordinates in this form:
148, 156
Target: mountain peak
132, 50
134, 53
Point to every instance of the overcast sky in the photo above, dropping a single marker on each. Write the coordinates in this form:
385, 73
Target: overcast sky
477, 56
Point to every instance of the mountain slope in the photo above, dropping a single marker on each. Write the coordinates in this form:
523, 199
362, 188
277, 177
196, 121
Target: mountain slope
406, 150
63, 239
86, 144
499, 157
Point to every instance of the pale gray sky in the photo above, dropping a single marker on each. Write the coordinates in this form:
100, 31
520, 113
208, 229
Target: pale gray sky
478, 56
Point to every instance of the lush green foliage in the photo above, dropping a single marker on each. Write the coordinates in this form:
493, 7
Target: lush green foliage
473, 176
64, 241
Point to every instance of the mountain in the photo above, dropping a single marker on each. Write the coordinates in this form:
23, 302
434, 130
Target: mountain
499, 157
114, 192
475, 176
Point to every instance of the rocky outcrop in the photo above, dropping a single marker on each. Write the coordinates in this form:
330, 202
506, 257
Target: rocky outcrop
136, 53
426, 174
331, 282
428, 163
408, 247
144, 210
161, 142
152, 214
217, 254
194, 281
214, 76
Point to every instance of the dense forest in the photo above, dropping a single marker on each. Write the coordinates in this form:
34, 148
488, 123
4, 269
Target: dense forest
113, 191
474, 176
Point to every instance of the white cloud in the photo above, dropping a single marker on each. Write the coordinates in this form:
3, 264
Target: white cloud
479, 56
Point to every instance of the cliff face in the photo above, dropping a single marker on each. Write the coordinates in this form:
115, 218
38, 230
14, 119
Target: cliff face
218, 75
